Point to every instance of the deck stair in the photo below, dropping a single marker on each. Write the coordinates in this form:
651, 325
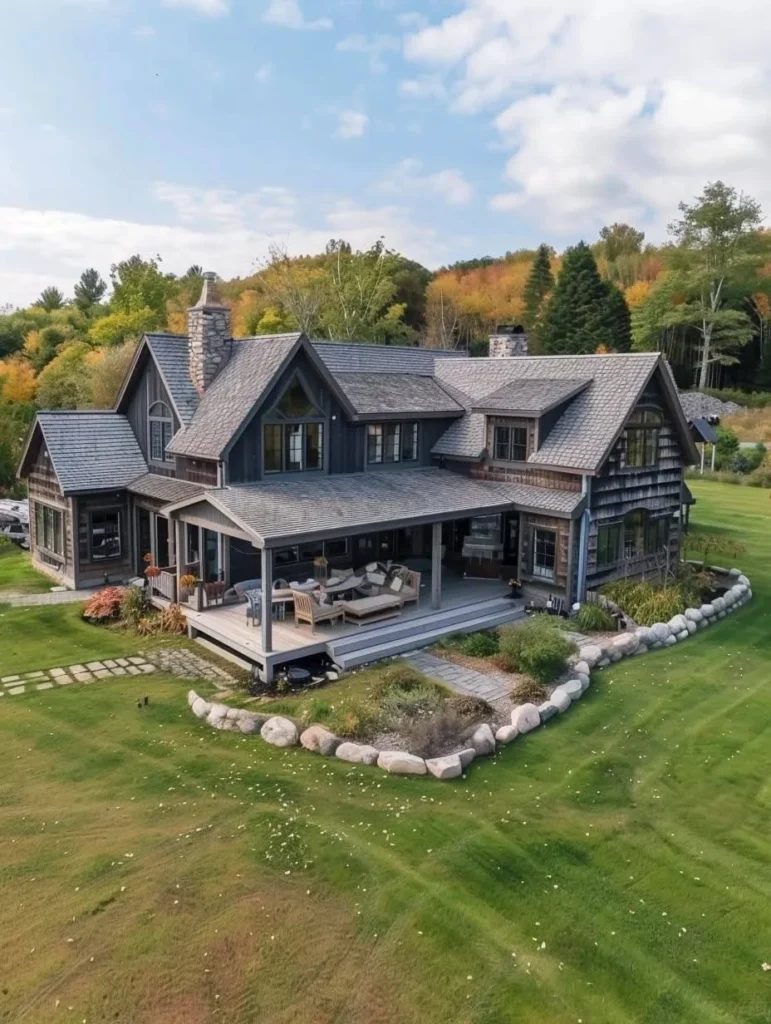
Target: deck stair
421, 631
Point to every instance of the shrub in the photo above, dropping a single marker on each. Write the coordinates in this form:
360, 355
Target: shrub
528, 691
398, 705
761, 477
429, 737
133, 606
104, 605
712, 545
727, 447
354, 719
747, 460
593, 618
467, 706
479, 645
172, 620
647, 603
400, 677
537, 647
148, 625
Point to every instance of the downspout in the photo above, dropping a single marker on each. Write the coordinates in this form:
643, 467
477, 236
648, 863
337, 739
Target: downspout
583, 544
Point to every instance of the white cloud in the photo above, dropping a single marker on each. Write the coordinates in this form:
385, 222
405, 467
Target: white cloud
210, 8
225, 230
264, 72
426, 87
373, 48
288, 14
412, 19
351, 124
610, 110
406, 179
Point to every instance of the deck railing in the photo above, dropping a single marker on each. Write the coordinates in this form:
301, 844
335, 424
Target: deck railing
165, 584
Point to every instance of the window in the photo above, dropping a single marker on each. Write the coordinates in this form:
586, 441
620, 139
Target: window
510, 444
293, 447
49, 529
335, 548
609, 544
307, 552
642, 438
295, 404
392, 442
545, 554
656, 535
105, 536
161, 431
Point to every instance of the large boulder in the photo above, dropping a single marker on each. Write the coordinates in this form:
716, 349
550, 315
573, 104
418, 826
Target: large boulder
547, 710
280, 732
586, 680
572, 688
743, 579
590, 654
445, 767
320, 740
708, 611
627, 643
612, 654
678, 623
506, 734
684, 635
581, 668
670, 641
466, 756
217, 716
719, 604
693, 615
396, 762
692, 627
249, 723
525, 717
483, 740
357, 753
643, 634
560, 699
192, 697
661, 632
200, 707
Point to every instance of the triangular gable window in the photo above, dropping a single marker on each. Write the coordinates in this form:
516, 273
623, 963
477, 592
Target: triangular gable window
295, 404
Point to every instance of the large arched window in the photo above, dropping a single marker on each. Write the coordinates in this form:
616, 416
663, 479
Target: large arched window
642, 438
160, 431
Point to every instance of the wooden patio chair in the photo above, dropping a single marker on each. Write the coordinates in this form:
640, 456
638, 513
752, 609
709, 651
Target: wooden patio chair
408, 589
307, 609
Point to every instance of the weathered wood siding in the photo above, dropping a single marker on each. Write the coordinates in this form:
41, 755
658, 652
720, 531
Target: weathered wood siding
197, 471
561, 527
149, 389
618, 491
532, 477
44, 489
508, 421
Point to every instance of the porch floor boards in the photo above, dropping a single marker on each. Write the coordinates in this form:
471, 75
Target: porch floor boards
227, 624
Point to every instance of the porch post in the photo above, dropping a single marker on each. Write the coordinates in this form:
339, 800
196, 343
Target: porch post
267, 604
179, 550
436, 565
201, 559
571, 556
172, 544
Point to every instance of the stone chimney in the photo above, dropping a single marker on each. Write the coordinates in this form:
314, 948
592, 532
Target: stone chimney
209, 335
508, 340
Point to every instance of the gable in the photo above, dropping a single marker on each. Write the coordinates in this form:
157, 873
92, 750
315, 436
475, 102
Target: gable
167, 355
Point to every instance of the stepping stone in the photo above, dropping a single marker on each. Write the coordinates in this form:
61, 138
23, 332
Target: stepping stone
118, 671
55, 672
147, 668
9, 679
102, 673
16, 689
110, 664
92, 666
83, 677
64, 680
34, 675
44, 686
137, 661
77, 668
122, 661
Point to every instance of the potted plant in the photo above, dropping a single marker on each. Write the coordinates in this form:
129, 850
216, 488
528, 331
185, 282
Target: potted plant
187, 584
320, 569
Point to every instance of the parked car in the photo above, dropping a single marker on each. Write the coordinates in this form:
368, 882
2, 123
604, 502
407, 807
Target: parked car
14, 521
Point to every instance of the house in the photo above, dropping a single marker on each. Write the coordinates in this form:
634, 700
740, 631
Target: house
266, 458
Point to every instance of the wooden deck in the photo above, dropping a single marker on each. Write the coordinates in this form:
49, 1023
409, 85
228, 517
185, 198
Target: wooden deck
227, 624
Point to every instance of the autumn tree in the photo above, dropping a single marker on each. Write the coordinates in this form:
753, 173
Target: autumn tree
717, 245
49, 299
584, 313
89, 290
140, 285
359, 295
296, 286
540, 282
106, 370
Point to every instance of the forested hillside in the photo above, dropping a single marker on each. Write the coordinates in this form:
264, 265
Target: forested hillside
703, 299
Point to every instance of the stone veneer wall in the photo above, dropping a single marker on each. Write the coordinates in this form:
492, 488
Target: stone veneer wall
209, 334
504, 346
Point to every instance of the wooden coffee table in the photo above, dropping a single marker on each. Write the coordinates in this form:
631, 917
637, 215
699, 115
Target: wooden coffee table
370, 609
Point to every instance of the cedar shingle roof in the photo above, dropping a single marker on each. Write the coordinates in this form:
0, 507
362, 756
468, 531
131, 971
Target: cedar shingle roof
164, 488
584, 432
530, 397
91, 451
281, 511
224, 405
341, 357
395, 393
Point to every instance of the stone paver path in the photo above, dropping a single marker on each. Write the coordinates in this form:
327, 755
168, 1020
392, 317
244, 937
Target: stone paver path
177, 661
56, 597
458, 678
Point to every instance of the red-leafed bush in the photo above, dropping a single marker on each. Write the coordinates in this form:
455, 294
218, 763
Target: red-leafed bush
104, 605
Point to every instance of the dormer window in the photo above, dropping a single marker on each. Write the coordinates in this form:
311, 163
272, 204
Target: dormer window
510, 444
293, 434
160, 431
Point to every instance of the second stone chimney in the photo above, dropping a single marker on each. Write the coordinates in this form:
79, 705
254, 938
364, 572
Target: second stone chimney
508, 340
209, 335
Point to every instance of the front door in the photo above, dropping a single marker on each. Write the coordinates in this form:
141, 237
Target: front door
511, 541
161, 542
144, 539
211, 556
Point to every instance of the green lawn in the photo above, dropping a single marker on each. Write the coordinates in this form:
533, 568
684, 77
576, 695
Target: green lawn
612, 868
17, 574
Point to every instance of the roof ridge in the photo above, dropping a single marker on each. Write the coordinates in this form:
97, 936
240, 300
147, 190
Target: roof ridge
80, 412
570, 355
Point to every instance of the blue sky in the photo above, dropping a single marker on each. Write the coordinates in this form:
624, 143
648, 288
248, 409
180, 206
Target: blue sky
204, 130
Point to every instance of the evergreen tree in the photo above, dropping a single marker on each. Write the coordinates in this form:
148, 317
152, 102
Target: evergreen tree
89, 290
539, 283
50, 299
583, 313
